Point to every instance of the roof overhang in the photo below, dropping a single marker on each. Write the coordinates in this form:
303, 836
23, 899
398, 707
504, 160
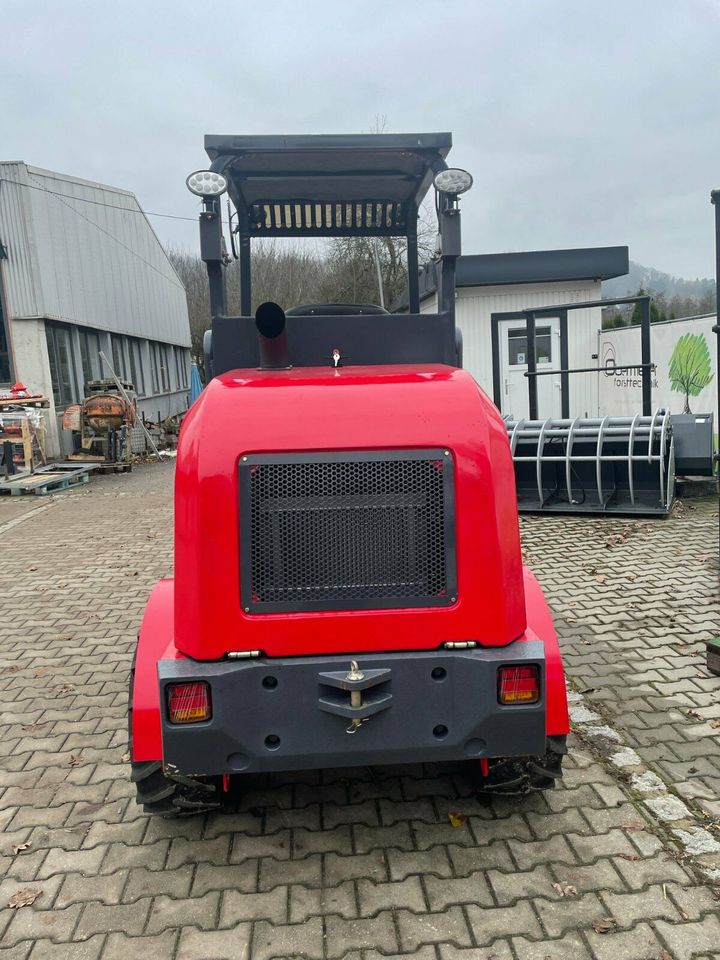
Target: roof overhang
328, 185
532, 266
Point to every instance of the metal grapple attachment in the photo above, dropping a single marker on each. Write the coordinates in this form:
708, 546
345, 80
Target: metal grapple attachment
608, 465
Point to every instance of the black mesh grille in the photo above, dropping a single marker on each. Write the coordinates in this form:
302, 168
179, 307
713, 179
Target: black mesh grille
357, 531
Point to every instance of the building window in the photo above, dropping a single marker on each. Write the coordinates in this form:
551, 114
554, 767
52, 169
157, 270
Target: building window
118, 356
181, 368
517, 345
136, 368
164, 367
160, 367
4, 351
90, 355
154, 368
62, 367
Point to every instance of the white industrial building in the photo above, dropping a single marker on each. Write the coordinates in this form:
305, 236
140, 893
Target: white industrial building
491, 292
81, 270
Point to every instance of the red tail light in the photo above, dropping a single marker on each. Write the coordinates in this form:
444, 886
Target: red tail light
518, 684
188, 702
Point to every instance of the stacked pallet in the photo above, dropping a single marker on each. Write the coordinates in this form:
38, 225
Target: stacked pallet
50, 479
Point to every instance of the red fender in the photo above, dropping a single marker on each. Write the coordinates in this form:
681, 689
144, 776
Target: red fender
154, 643
540, 623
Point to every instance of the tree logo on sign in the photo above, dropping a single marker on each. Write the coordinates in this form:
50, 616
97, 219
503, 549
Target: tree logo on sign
690, 370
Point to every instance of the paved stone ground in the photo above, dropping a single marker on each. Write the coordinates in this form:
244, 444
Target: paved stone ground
353, 865
635, 602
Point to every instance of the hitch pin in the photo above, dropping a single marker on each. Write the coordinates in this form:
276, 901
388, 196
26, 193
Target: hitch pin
356, 723
355, 673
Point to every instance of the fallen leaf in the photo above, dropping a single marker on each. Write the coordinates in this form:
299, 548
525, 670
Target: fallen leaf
24, 898
600, 579
457, 819
630, 856
604, 925
13, 669
125, 758
632, 577
715, 724
33, 727
565, 889
40, 671
634, 825
32, 568
19, 847
664, 955
75, 760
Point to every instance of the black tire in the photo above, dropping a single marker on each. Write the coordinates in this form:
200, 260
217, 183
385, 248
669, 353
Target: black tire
173, 795
515, 777
160, 791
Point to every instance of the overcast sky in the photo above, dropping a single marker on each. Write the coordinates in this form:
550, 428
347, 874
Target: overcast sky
584, 122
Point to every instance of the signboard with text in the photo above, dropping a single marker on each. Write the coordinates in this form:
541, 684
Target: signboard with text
685, 375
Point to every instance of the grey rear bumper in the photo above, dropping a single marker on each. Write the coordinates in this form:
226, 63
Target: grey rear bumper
293, 713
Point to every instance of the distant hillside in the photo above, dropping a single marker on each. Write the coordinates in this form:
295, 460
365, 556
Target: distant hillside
654, 281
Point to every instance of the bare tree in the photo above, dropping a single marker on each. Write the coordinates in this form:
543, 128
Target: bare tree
344, 270
288, 274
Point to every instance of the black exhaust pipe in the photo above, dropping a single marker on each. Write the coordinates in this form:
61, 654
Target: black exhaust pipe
272, 337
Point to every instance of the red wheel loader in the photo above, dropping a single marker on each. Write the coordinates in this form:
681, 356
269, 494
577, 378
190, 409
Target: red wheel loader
349, 587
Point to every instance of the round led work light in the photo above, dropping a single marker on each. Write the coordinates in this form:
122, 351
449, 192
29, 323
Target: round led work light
206, 183
453, 181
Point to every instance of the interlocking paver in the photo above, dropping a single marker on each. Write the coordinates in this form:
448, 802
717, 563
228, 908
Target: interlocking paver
237, 907
101, 918
498, 950
345, 935
275, 873
287, 941
79, 889
374, 897
641, 942
159, 947
490, 923
569, 947
216, 944
373, 865
348, 864
168, 913
306, 902
85, 950
28, 924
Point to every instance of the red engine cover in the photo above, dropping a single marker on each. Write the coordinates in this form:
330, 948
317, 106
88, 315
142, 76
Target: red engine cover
349, 409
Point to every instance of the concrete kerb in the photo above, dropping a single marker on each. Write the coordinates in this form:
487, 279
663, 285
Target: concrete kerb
680, 822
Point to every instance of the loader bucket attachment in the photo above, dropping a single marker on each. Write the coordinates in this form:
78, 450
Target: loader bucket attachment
622, 465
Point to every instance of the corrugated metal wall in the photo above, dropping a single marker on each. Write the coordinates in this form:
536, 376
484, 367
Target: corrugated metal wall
19, 273
475, 306
85, 253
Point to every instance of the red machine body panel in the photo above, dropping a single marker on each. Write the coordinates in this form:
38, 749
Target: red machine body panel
540, 626
155, 642
347, 409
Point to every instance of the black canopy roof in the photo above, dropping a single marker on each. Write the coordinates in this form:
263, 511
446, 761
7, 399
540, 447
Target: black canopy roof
328, 185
